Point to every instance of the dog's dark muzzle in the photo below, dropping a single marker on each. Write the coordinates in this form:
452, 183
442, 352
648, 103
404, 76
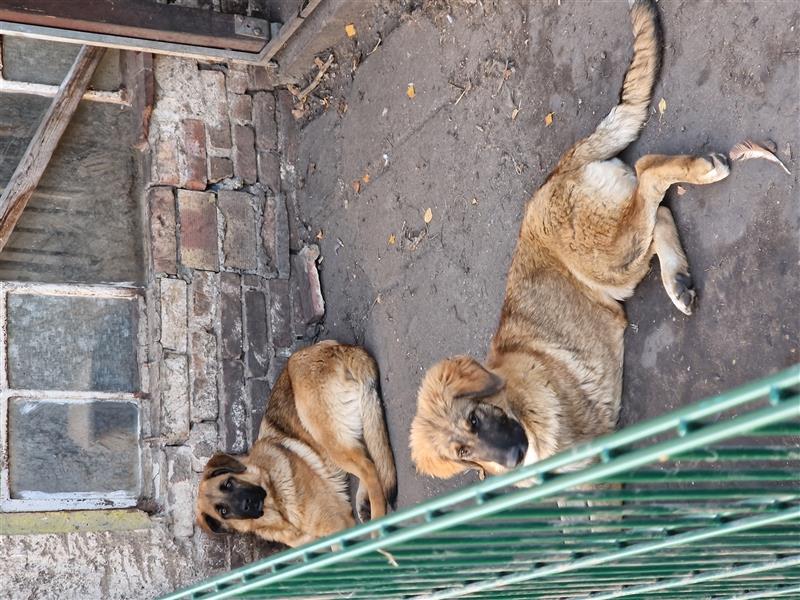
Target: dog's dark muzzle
248, 501
502, 440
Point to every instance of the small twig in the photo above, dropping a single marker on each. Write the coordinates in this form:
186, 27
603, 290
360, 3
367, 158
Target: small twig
464, 90
380, 41
502, 79
313, 85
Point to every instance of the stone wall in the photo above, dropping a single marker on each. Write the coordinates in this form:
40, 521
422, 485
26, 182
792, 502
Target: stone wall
231, 292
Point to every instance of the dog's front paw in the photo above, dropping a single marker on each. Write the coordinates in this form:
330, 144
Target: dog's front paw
364, 510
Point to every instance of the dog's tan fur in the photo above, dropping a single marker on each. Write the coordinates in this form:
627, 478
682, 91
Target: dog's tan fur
586, 240
323, 419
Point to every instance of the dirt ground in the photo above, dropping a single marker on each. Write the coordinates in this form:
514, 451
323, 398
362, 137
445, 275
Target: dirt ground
473, 144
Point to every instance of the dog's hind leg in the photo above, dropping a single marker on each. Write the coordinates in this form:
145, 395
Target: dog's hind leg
655, 174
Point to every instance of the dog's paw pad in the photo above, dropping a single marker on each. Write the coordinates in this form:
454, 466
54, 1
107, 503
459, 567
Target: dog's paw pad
683, 295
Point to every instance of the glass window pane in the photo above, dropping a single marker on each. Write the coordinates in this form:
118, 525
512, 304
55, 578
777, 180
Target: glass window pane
82, 223
72, 447
40, 61
72, 343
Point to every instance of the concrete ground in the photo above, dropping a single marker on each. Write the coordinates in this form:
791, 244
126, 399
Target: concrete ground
414, 293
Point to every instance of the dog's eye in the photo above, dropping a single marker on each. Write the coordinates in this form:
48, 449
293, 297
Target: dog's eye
222, 510
463, 452
228, 483
473, 420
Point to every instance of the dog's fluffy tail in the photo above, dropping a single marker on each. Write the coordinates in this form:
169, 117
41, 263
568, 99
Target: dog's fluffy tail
376, 436
623, 123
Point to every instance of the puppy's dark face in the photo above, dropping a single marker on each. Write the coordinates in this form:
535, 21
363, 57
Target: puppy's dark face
228, 496
459, 425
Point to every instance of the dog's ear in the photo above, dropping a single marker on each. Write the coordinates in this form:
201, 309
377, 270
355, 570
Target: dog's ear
220, 464
424, 442
465, 377
210, 524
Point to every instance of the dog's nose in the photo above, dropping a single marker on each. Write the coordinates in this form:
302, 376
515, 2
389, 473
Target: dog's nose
515, 456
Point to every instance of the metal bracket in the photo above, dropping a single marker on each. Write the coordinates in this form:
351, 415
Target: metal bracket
251, 27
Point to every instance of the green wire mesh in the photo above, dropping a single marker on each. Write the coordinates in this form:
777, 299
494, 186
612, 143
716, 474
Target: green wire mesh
701, 503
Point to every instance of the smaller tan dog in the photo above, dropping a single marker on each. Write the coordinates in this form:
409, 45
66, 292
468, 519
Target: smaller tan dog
323, 419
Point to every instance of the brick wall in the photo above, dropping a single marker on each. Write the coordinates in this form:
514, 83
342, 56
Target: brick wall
228, 297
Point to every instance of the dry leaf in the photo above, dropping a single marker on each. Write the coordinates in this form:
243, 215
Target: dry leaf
350, 30
411, 91
320, 235
392, 240
681, 190
514, 114
365, 178
428, 217
748, 149
474, 200
662, 106
548, 119
356, 186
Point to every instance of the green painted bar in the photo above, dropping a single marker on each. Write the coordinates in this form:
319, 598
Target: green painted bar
712, 508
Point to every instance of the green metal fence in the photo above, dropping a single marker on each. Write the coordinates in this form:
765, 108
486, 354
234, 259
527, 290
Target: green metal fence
700, 503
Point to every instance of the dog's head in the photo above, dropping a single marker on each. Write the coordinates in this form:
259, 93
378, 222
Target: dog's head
229, 497
460, 424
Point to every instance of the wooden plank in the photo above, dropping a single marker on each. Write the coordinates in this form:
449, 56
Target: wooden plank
41, 147
140, 19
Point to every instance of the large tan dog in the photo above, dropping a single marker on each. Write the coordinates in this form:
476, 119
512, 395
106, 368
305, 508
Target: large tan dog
553, 374
323, 419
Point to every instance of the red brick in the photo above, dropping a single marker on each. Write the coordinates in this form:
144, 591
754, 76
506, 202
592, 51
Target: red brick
219, 168
244, 153
241, 109
260, 78
198, 237
237, 79
275, 236
164, 162
239, 237
258, 392
203, 367
231, 315
204, 294
269, 171
219, 137
264, 121
235, 410
215, 98
163, 244
255, 316
280, 313
193, 171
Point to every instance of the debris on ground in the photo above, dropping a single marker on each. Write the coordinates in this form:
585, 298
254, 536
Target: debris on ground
428, 217
301, 96
748, 150
548, 119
